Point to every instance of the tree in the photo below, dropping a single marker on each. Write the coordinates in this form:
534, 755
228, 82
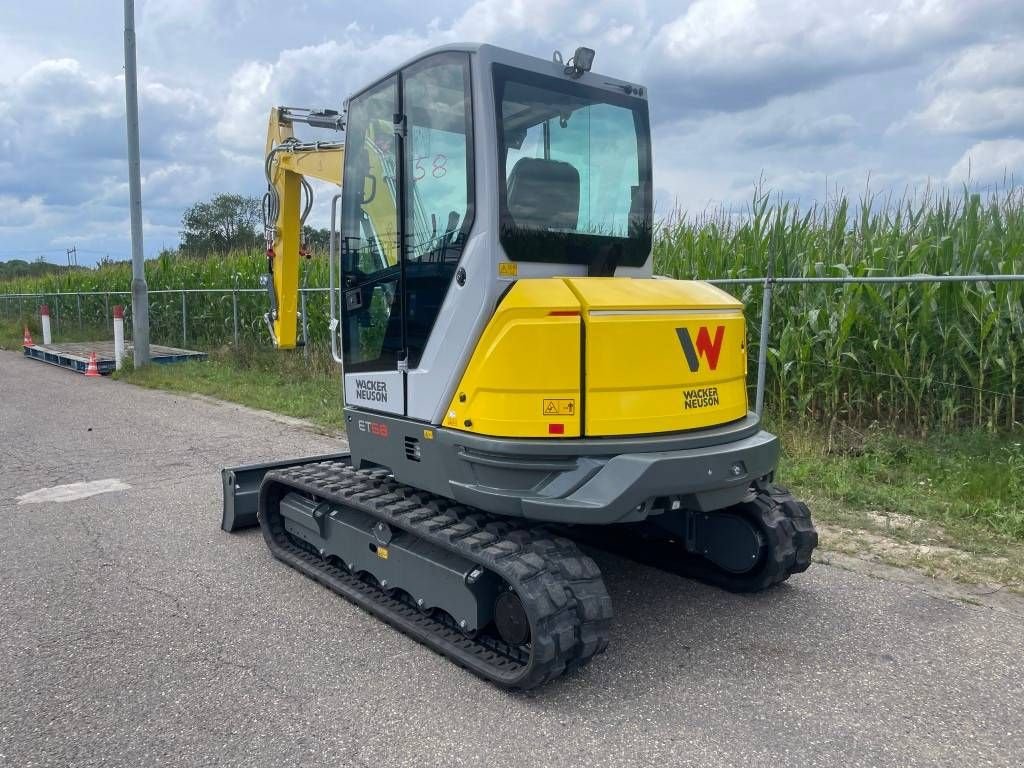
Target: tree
15, 268
316, 240
223, 223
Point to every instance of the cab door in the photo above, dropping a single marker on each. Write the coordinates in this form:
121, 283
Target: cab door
372, 289
406, 214
438, 191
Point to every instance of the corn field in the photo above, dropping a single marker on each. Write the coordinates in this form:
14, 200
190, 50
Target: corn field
919, 356
210, 316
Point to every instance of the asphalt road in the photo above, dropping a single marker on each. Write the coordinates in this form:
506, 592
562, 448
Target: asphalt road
134, 632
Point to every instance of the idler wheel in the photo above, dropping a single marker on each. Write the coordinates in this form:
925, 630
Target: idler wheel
510, 619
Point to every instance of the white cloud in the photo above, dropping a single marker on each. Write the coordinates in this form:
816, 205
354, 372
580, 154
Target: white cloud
799, 92
733, 54
58, 109
63, 168
986, 65
322, 75
22, 213
314, 76
992, 111
617, 35
797, 130
979, 90
990, 162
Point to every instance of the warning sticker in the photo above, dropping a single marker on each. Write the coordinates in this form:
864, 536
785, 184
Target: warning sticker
561, 407
507, 269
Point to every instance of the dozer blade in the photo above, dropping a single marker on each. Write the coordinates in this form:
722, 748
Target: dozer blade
242, 488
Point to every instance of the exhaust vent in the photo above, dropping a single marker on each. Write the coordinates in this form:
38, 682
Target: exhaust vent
412, 449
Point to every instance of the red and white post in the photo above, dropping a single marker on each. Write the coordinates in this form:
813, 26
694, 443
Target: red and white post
44, 320
118, 336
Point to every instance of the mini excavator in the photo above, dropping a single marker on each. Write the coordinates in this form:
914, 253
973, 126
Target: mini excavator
516, 379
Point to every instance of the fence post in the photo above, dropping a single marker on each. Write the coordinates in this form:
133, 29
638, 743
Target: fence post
234, 306
78, 302
106, 307
118, 337
44, 323
762, 346
305, 339
184, 322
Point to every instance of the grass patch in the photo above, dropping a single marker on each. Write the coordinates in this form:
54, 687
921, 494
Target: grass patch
949, 505
12, 333
282, 382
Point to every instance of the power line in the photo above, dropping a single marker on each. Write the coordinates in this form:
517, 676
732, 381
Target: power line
60, 250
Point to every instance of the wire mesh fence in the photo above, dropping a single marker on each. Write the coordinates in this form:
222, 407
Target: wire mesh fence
202, 317
926, 350
923, 350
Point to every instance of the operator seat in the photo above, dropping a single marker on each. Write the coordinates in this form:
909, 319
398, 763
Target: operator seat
544, 194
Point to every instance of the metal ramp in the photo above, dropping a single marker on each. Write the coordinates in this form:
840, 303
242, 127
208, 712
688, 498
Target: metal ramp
75, 355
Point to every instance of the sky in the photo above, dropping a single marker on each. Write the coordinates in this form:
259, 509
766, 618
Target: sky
806, 98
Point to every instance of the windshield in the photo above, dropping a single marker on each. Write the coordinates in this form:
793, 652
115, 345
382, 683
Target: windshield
576, 172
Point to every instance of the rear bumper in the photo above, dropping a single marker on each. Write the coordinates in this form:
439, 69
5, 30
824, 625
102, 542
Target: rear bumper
602, 481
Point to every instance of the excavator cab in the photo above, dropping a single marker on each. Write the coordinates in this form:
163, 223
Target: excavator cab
514, 373
497, 167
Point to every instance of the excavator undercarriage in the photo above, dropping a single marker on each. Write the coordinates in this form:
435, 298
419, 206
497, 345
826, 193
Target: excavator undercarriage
517, 603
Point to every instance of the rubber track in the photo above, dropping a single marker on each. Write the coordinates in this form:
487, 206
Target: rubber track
789, 535
561, 588
784, 524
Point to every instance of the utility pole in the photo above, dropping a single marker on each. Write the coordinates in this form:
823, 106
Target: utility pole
140, 291
73, 256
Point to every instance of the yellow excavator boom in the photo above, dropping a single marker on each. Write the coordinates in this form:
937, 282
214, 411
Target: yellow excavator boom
289, 163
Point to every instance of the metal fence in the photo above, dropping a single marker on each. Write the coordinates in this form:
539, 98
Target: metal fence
170, 308
769, 283
175, 316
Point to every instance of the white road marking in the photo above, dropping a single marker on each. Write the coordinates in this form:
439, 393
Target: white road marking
73, 491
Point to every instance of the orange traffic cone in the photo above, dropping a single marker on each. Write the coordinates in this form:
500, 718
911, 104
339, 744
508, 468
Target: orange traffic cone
27, 340
92, 369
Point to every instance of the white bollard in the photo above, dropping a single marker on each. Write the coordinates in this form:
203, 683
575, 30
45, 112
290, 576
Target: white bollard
118, 336
44, 318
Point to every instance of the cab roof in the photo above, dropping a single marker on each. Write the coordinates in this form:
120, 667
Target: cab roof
487, 54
